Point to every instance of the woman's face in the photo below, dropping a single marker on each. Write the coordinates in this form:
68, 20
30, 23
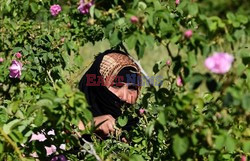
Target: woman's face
125, 91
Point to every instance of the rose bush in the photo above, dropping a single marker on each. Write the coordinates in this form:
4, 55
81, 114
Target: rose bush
200, 110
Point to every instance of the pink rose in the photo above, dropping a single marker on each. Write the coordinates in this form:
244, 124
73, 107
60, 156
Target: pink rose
51, 132
134, 19
85, 6
55, 9
243, 158
179, 81
219, 63
34, 155
188, 34
168, 62
62, 146
15, 69
39, 136
18, 55
1, 59
50, 150
141, 111
177, 2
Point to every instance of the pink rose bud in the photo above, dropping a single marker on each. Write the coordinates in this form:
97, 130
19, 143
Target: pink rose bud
134, 19
15, 69
219, 63
177, 2
179, 81
141, 111
62, 40
243, 158
168, 62
55, 9
18, 55
188, 34
50, 150
1, 59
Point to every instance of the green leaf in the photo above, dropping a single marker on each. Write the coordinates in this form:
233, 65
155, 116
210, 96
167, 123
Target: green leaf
38, 121
246, 101
114, 38
92, 11
162, 118
10, 125
246, 146
140, 50
122, 120
131, 41
142, 5
150, 129
137, 139
158, 66
34, 7
245, 55
230, 144
180, 145
1, 148
192, 60
230, 16
242, 18
71, 101
136, 157
87, 114
3, 116
196, 80
239, 34
149, 42
98, 13
193, 9
219, 142
45, 102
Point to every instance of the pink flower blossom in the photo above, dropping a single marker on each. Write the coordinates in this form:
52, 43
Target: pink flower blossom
62, 146
243, 158
168, 62
219, 63
51, 132
85, 6
55, 9
141, 111
15, 69
62, 39
18, 55
50, 150
34, 155
177, 2
179, 82
1, 59
188, 34
39, 136
134, 19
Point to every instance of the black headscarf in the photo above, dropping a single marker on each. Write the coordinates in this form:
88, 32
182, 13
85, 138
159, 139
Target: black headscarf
100, 99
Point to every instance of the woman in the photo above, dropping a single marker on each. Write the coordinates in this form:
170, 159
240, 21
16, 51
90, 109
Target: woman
112, 82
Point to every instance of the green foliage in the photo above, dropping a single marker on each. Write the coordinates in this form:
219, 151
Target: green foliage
205, 119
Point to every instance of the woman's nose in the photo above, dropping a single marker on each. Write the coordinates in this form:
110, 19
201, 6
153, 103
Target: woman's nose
123, 93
